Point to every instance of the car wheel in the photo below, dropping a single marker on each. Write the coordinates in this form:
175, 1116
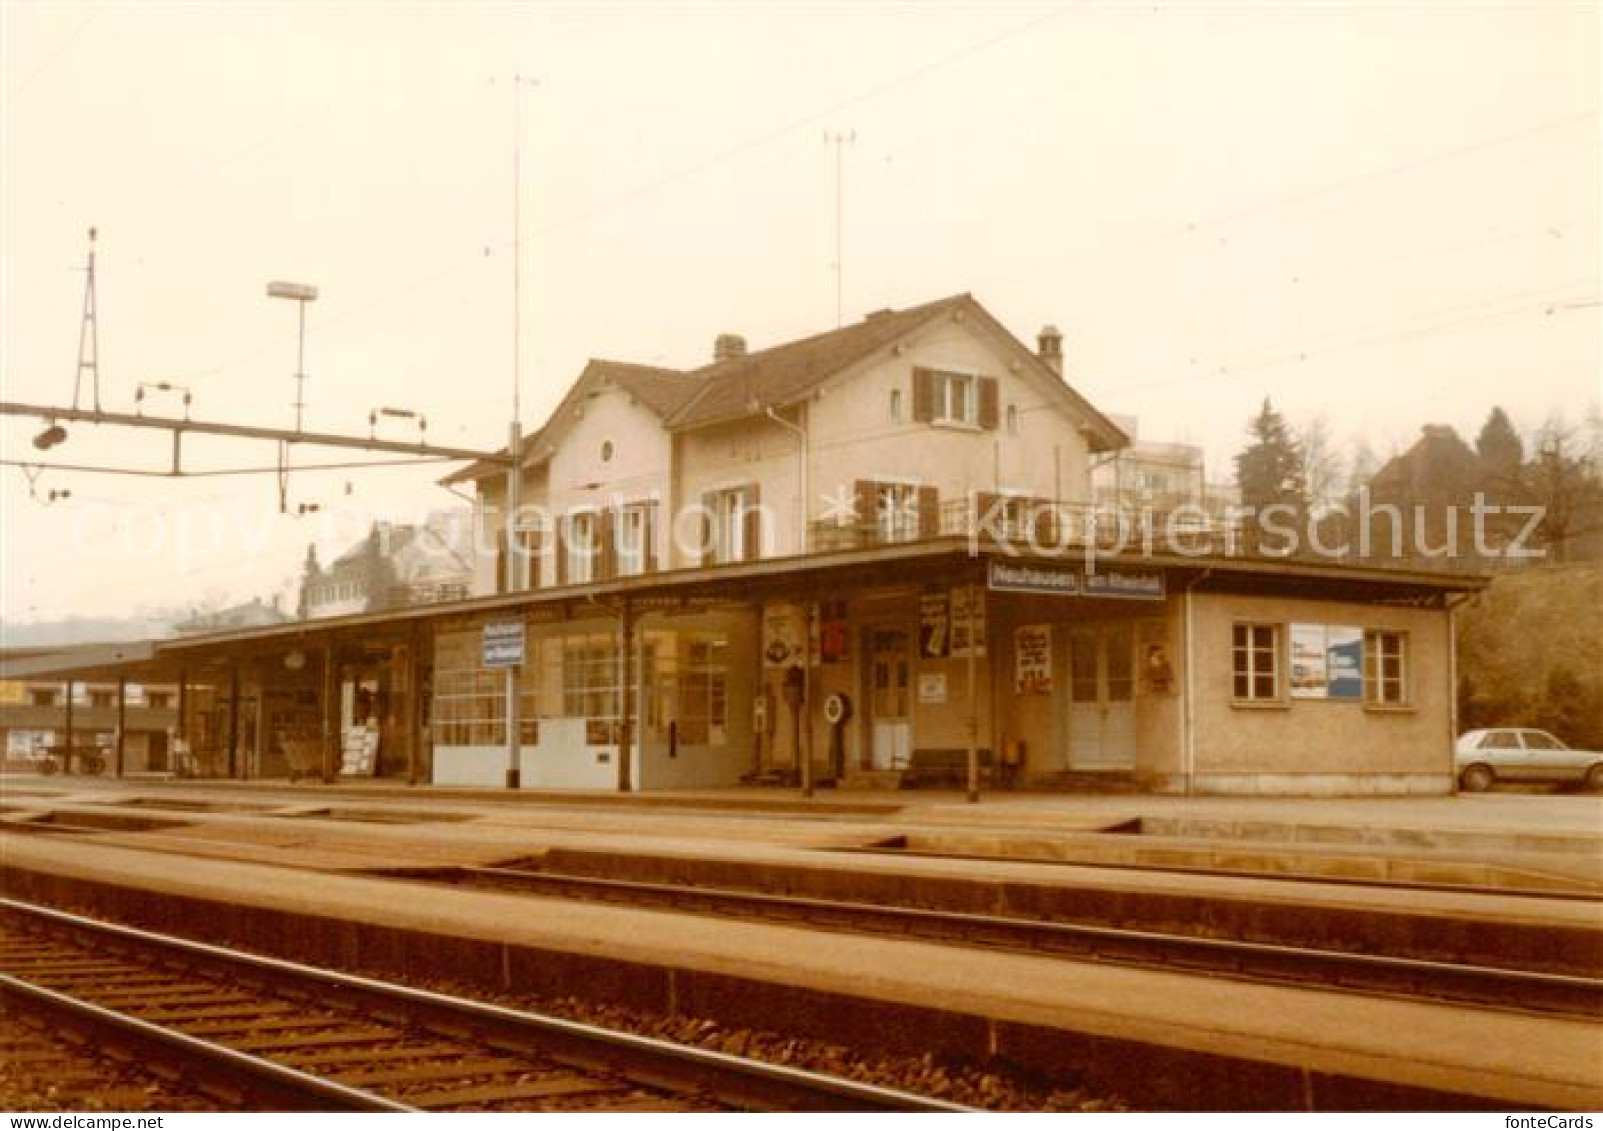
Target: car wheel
1477, 779
1594, 777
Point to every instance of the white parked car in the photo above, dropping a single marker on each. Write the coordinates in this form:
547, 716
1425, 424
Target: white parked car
1520, 754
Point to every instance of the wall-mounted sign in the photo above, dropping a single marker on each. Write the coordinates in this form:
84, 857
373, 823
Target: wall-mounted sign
503, 644
934, 625
1032, 659
932, 687
1327, 661
1070, 581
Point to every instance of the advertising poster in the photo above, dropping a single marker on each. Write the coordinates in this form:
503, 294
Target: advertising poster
932, 687
1344, 661
784, 636
1309, 678
934, 625
960, 620
1032, 659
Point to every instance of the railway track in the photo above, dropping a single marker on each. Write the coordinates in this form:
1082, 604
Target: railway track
1491, 986
281, 1035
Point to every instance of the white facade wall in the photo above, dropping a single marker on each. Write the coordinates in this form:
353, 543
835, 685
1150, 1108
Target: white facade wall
852, 435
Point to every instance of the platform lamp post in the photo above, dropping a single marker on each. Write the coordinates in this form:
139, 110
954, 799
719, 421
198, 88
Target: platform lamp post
300, 294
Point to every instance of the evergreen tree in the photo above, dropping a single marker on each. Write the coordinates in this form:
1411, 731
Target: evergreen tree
1500, 449
1270, 469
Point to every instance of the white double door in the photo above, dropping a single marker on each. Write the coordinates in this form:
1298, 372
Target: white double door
1102, 697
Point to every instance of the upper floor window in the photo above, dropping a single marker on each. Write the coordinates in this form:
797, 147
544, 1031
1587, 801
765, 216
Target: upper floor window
896, 405
158, 700
895, 512
41, 697
733, 525
579, 549
100, 698
526, 560
954, 398
636, 536
1255, 662
1012, 420
944, 397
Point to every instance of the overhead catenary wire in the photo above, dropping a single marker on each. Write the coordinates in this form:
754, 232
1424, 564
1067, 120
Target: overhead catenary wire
674, 176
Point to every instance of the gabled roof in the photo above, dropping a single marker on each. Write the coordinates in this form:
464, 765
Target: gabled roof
781, 374
662, 391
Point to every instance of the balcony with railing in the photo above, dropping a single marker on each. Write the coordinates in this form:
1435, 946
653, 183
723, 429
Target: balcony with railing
1045, 528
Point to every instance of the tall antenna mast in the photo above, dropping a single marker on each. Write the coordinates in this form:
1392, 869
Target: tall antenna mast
839, 139
88, 333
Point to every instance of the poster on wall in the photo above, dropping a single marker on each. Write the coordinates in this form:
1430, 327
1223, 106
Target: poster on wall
784, 635
932, 687
1308, 672
1344, 661
1032, 659
934, 623
960, 620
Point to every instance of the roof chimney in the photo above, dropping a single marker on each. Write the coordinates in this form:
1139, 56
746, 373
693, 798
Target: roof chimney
1049, 346
727, 347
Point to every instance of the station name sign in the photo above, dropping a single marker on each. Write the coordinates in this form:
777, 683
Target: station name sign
1064, 581
503, 644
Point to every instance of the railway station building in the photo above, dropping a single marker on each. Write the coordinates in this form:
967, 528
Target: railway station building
869, 557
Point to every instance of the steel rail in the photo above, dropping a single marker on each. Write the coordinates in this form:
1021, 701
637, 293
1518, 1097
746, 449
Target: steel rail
737, 1081
1457, 981
275, 1081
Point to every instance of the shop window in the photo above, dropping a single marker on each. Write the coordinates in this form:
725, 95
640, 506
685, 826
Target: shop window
590, 676
469, 701
1255, 668
1385, 668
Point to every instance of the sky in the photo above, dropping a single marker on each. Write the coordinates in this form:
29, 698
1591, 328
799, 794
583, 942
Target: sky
1382, 215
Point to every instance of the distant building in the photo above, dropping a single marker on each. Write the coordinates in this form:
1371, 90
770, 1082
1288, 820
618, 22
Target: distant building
1149, 475
35, 716
393, 567
255, 613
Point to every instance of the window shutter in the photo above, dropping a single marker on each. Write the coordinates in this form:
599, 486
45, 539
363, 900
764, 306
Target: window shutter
752, 517
606, 529
990, 398
709, 550
561, 564
923, 395
503, 562
929, 513
864, 493
648, 535
983, 518
1046, 522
